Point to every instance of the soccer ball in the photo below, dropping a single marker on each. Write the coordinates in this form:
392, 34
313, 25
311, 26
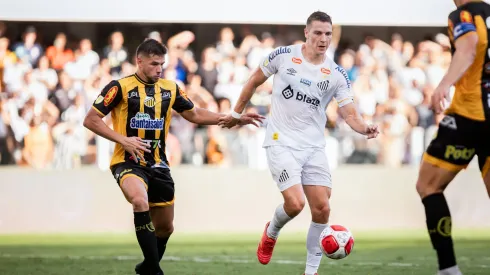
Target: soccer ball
336, 242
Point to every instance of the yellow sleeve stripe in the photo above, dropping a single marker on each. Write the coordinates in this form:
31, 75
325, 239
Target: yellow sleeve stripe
95, 108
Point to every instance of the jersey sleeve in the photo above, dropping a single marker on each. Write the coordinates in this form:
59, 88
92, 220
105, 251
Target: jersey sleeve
343, 94
182, 102
109, 98
460, 23
271, 63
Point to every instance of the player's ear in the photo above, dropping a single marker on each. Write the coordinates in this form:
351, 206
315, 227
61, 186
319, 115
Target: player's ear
306, 32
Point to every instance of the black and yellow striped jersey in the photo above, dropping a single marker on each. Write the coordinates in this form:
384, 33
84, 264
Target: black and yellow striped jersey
142, 109
471, 98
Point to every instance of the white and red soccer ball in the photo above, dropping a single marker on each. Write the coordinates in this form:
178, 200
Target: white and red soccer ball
336, 242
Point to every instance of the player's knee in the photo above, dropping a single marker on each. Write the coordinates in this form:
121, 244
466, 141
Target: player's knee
294, 206
164, 230
320, 212
140, 203
429, 181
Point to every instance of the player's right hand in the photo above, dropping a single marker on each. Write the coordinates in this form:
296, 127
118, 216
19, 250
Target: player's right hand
135, 146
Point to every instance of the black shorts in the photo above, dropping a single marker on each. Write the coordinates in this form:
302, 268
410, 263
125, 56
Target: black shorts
458, 140
158, 181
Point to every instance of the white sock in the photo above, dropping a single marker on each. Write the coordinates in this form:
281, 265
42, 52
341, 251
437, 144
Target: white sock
314, 256
278, 221
454, 270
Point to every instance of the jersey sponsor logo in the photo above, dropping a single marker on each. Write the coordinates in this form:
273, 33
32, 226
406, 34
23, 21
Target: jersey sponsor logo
459, 152
305, 81
279, 51
323, 86
99, 99
288, 93
150, 102
291, 71
144, 121
134, 94
466, 17
325, 71
342, 71
297, 60
109, 97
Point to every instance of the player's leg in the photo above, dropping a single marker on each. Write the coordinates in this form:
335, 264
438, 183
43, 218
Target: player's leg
485, 169
162, 197
317, 184
161, 202
450, 152
286, 172
133, 184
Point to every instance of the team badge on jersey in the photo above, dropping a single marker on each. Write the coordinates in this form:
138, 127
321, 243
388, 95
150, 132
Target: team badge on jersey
150, 102
297, 60
323, 86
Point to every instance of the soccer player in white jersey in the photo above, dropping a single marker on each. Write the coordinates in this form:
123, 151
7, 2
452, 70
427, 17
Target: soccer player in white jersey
305, 81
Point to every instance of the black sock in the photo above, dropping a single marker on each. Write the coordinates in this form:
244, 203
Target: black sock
439, 227
145, 233
162, 245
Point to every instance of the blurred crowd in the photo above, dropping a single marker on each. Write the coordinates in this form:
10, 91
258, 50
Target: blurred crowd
45, 92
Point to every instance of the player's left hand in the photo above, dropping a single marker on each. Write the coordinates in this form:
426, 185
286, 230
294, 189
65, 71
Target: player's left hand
228, 121
438, 104
372, 131
250, 118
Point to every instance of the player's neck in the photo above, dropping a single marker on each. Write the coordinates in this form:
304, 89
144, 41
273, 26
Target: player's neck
312, 57
143, 77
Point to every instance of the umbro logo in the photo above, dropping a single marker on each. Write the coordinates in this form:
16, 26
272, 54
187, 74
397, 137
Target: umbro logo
291, 71
323, 86
284, 176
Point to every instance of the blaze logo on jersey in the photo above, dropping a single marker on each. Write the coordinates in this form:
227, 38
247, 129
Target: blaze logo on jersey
279, 51
288, 92
341, 70
466, 17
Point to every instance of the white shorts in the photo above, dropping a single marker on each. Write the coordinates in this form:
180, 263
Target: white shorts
289, 166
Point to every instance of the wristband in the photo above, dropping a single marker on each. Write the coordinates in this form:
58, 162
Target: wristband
235, 114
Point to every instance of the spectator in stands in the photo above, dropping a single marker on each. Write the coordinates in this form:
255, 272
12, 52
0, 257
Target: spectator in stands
58, 54
29, 48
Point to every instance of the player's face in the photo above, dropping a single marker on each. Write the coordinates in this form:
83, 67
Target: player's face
151, 66
318, 36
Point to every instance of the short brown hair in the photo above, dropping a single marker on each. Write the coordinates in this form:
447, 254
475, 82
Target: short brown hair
319, 16
151, 47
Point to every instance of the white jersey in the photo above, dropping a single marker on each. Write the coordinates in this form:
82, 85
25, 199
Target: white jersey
300, 95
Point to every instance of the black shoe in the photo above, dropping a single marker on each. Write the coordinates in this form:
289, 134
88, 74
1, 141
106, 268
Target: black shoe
141, 269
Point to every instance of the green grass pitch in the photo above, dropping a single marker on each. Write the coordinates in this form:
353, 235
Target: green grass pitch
383, 253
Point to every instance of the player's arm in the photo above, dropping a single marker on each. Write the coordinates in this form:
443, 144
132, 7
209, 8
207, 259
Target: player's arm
202, 116
347, 108
109, 98
268, 67
463, 32
248, 90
